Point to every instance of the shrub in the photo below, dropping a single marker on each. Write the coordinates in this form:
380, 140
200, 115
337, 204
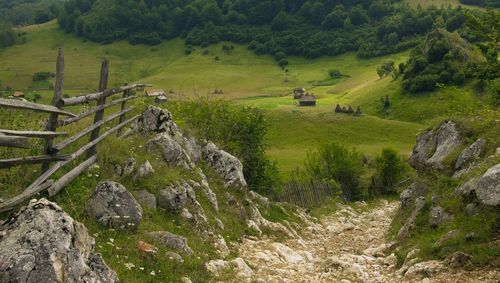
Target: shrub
333, 163
42, 76
390, 168
283, 63
334, 74
238, 130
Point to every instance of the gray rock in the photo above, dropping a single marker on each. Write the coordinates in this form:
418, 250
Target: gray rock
192, 148
205, 188
459, 259
175, 197
129, 166
174, 257
144, 170
470, 209
225, 165
423, 149
445, 238
409, 195
117, 169
170, 240
486, 188
113, 206
424, 269
41, 243
409, 225
470, 154
147, 199
171, 151
434, 146
156, 119
259, 199
448, 139
438, 216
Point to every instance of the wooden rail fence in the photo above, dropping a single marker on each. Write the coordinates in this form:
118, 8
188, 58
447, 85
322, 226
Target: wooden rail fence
53, 159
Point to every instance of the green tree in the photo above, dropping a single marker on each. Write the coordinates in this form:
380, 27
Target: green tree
390, 166
333, 163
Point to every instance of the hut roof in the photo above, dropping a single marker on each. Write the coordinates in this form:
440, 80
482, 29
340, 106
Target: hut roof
308, 97
18, 94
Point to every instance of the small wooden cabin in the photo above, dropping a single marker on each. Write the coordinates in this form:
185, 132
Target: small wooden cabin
18, 94
307, 100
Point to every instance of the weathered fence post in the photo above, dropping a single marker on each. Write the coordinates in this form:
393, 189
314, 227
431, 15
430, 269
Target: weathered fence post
58, 90
122, 117
99, 115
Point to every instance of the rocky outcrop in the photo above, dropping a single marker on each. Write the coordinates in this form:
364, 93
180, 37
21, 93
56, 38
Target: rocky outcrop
181, 198
218, 267
409, 195
146, 199
155, 119
438, 216
410, 222
129, 166
113, 206
171, 151
434, 146
486, 188
42, 243
424, 269
225, 165
470, 154
169, 240
144, 170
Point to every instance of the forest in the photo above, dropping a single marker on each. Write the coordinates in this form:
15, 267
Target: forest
277, 27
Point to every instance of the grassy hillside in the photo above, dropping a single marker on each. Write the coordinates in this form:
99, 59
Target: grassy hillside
247, 79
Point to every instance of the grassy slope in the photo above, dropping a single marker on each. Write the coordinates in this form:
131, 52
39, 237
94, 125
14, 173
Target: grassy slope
247, 80
446, 3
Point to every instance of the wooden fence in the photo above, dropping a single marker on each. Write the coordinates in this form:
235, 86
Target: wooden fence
308, 194
53, 157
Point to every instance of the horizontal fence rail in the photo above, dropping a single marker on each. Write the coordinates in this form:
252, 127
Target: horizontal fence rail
52, 160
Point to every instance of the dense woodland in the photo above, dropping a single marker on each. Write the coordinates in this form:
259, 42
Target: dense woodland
277, 27
482, 3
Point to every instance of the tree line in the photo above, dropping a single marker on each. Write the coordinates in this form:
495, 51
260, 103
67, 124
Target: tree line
309, 28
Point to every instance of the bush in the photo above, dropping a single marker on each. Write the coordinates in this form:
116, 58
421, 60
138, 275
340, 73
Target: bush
334, 74
333, 163
238, 130
42, 76
390, 168
283, 63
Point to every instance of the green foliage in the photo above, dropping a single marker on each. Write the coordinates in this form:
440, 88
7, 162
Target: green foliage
238, 130
390, 168
28, 12
305, 27
7, 36
42, 76
385, 69
337, 164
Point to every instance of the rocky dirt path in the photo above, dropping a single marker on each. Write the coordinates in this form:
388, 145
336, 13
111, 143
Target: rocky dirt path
348, 246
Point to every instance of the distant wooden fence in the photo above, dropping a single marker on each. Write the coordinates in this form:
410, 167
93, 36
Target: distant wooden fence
308, 194
52, 159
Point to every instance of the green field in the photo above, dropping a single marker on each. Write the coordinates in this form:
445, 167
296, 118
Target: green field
247, 79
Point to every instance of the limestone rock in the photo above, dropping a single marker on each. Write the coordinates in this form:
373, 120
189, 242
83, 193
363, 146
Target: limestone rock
171, 151
458, 259
424, 269
217, 267
41, 243
287, 254
174, 257
205, 188
170, 240
156, 119
113, 206
409, 195
486, 188
129, 166
241, 267
438, 216
175, 197
259, 199
225, 165
470, 154
146, 199
144, 170
434, 146
410, 222
220, 246
445, 238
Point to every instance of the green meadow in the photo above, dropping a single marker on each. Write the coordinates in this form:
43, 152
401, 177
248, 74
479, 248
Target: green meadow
248, 79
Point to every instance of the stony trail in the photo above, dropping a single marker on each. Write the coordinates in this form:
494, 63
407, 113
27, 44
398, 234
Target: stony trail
347, 246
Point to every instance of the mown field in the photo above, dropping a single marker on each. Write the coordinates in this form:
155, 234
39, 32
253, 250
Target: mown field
247, 79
